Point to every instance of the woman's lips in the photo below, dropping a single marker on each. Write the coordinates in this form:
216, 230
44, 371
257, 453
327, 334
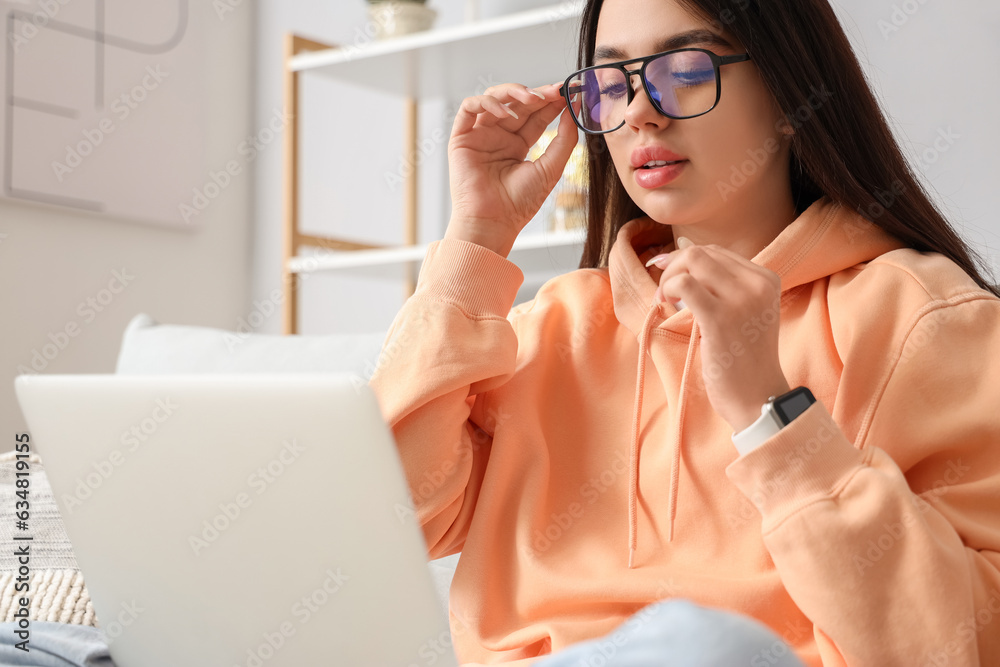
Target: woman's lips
658, 176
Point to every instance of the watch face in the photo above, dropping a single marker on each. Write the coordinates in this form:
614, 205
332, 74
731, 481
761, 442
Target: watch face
793, 404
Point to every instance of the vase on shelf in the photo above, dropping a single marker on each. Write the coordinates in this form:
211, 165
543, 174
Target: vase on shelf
393, 18
565, 207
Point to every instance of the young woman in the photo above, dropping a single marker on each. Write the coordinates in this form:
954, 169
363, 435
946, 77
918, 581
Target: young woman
769, 393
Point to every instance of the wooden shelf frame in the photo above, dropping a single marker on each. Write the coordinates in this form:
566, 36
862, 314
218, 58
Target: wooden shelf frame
293, 239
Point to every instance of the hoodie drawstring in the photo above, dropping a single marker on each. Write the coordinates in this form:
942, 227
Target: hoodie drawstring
675, 464
633, 490
633, 476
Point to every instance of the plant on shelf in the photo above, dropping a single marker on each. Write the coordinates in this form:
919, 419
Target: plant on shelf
399, 17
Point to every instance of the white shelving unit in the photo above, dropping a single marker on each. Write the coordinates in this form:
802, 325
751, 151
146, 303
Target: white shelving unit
525, 248
448, 63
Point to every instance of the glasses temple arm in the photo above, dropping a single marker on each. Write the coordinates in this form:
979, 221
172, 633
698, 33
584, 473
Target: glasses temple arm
725, 60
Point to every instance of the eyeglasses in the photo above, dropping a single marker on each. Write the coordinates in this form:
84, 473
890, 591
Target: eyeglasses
683, 83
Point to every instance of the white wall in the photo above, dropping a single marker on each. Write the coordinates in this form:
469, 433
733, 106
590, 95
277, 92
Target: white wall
926, 72
53, 260
934, 65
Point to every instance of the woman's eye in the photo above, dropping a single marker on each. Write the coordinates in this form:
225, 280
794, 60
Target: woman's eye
694, 77
614, 91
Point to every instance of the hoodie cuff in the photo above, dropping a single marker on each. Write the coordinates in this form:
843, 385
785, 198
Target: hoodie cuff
473, 277
807, 460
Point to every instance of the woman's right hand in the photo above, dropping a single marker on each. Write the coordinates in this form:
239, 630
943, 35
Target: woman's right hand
494, 191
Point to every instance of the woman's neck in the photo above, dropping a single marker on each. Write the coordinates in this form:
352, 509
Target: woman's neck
751, 230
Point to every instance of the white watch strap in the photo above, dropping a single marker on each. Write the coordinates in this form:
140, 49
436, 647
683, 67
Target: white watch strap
758, 432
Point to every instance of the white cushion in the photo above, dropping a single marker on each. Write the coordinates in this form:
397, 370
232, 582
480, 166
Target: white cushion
149, 347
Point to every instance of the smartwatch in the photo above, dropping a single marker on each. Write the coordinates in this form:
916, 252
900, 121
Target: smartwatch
778, 412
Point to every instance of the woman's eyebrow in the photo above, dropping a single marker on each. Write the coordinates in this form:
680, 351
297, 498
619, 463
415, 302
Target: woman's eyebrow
680, 40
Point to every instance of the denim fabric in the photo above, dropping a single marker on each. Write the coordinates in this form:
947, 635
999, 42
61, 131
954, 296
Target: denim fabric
679, 633
55, 645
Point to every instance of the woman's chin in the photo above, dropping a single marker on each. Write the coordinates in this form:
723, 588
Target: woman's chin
666, 208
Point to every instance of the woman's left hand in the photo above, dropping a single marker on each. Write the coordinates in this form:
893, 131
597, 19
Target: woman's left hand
737, 305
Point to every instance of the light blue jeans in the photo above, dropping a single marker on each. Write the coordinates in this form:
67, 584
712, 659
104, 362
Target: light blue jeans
55, 645
679, 633
670, 633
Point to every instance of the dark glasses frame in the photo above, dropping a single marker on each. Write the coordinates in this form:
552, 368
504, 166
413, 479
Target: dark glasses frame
717, 62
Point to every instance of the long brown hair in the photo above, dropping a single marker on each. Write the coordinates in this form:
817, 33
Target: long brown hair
845, 150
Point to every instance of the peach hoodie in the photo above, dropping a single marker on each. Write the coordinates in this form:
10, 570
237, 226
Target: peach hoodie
557, 441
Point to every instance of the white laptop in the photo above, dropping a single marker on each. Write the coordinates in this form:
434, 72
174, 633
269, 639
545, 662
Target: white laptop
238, 520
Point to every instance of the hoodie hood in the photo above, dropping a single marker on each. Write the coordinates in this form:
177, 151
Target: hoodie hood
825, 239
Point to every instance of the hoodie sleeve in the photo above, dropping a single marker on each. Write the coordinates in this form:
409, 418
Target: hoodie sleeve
448, 346
895, 557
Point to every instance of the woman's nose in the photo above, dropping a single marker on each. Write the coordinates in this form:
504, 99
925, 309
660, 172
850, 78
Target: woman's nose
640, 110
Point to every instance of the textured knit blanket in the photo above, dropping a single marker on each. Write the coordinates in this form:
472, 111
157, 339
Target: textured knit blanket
57, 591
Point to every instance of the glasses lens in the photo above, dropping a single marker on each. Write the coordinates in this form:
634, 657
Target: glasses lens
599, 98
682, 83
